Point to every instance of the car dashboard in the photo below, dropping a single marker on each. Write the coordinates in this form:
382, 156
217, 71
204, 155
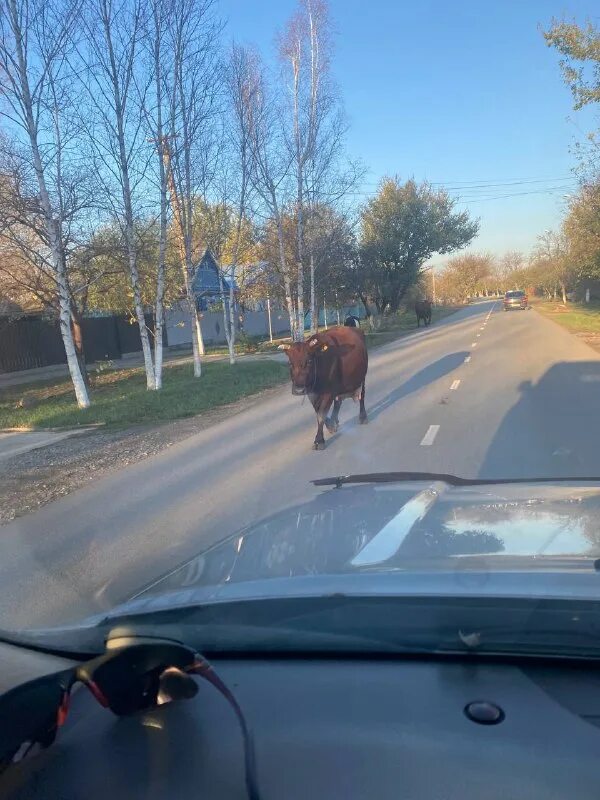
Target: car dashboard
326, 727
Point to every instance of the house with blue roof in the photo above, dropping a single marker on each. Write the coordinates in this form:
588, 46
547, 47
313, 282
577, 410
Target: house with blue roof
206, 285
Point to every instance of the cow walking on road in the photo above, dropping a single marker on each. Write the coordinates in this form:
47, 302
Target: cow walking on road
423, 312
330, 367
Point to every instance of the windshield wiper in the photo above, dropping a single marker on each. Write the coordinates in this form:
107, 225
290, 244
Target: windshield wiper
452, 480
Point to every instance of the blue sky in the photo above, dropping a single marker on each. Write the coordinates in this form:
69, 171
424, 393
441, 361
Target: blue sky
458, 93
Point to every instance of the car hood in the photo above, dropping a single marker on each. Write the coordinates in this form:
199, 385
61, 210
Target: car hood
382, 529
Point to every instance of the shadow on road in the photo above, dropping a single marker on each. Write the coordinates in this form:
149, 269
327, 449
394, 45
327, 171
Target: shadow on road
429, 374
553, 431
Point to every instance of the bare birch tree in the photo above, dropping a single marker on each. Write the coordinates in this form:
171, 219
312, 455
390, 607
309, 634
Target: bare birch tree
114, 34
270, 170
240, 86
35, 36
193, 91
305, 48
152, 102
330, 179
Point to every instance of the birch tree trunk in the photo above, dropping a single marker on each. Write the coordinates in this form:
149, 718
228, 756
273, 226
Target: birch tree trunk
197, 340
300, 158
289, 301
79, 384
158, 14
77, 333
159, 321
228, 318
160, 272
313, 321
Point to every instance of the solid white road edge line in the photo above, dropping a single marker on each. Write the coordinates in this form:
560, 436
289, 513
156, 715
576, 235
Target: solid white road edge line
429, 437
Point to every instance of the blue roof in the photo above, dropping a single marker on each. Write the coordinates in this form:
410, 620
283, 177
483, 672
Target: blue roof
206, 276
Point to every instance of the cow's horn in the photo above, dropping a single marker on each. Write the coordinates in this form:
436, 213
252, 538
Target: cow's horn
283, 347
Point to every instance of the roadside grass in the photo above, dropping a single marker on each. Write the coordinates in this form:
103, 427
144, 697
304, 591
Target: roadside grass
582, 319
120, 398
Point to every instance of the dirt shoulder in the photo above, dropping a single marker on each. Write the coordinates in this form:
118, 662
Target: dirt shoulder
33, 479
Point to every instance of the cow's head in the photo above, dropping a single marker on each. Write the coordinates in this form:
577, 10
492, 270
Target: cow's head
303, 366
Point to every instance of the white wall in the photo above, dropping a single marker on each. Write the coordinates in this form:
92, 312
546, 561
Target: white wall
179, 327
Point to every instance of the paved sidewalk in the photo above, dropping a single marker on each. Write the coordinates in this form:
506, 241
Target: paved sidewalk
14, 443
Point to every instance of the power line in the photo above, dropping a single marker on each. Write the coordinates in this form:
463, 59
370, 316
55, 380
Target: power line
487, 182
513, 194
470, 193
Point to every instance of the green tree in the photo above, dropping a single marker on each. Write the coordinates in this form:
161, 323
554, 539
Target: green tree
402, 227
579, 46
582, 230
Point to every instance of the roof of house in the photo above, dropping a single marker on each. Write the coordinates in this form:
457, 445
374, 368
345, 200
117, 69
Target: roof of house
206, 276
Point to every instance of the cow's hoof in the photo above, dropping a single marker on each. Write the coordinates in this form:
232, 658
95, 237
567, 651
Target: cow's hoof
319, 446
364, 420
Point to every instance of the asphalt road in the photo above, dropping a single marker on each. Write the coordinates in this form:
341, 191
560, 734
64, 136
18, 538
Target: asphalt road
480, 394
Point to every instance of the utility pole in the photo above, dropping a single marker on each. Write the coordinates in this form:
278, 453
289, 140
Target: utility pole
269, 318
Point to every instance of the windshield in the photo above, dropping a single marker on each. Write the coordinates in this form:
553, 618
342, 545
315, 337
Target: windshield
249, 246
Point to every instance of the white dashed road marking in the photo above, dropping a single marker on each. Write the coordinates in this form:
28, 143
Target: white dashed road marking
467, 359
473, 344
455, 384
432, 432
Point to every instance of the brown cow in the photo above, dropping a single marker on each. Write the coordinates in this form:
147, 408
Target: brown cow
329, 367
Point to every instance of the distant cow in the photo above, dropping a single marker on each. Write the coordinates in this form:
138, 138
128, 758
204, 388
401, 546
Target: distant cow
351, 321
330, 367
423, 312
